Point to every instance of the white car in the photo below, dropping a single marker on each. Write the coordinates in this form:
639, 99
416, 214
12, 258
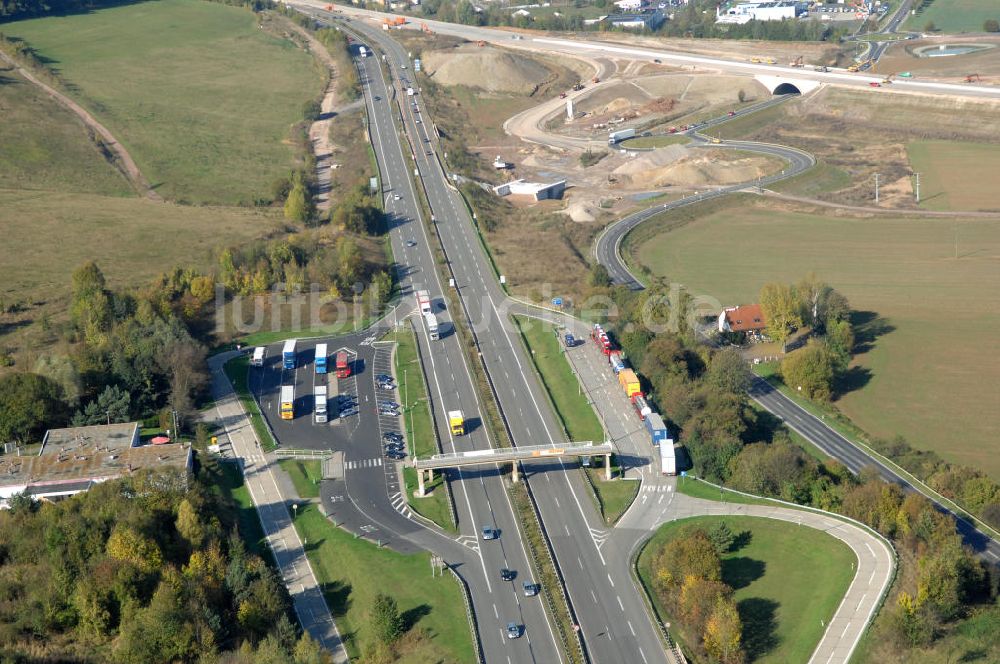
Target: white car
397, 197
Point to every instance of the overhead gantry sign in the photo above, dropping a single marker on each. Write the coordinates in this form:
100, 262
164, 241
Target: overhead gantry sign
510, 455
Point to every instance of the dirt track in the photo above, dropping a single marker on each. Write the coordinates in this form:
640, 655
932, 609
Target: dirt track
123, 160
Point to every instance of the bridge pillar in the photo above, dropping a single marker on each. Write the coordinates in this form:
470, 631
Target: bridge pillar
607, 466
420, 482
514, 474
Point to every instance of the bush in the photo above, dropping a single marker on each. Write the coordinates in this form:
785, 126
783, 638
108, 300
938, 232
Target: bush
991, 25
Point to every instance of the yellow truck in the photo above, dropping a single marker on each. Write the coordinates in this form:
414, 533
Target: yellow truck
457, 422
287, 402
629, 382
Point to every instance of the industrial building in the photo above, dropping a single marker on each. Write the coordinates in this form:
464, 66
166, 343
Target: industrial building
650, 21
766, 10
630, 5
539, 190
73, 460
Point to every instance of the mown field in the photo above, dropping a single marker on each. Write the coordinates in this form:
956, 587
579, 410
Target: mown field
49, 234
956, 176
955, 15
201, 97
927, 367
787, 579
44, 146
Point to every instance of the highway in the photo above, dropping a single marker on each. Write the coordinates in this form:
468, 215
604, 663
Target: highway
614, 624
596, 49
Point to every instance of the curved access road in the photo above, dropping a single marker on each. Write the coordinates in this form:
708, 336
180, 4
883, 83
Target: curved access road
873, 573
607, 249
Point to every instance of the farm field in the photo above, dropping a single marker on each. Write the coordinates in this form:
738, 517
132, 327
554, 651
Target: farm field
787, 580
955, 15
47, 235
202, 98
956, 176
44, 146
926, 370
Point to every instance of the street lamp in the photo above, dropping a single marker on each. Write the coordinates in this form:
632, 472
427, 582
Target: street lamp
295, 510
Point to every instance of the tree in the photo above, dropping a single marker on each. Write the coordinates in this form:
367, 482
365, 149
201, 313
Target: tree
729, 372
723, 633
129, 546
991, 25
840, 339
781, 310
722, 538
297, 205
599, 277
930, 27
60, 369
384, 620
189, 525
349, 261
810, 370
692, 554
112, 405
29, 403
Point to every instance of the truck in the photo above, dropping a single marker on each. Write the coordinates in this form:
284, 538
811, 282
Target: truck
363, 51
432, 326
424, 302
321, 358
258, 357
641, 406
457, 422
616, 361
343, 366
668, 461
629, 382
319, 410
287, 402
656, 429
620, 135
288, 354
601, 339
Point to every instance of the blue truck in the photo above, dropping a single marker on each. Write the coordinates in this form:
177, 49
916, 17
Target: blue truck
288, 354
656, 428
321, 358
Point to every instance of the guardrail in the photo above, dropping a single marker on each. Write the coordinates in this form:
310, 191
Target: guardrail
315, 454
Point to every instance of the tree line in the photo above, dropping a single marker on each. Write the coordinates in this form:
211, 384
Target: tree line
703, 394
146, 569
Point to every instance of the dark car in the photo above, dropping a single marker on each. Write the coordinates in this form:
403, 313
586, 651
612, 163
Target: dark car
392, 437
507, 574
570, 340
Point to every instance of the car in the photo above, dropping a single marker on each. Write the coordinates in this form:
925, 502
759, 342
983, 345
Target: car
507, 574
411, 243
489, 533
347, 412
388, 413
585, 462
383, 376
417, 120
875, 84
530, 589
385, 385
732, 113
513, 630
397, 197
395, 456
430, 153
391, 405
570, 340
658, 61
392, 437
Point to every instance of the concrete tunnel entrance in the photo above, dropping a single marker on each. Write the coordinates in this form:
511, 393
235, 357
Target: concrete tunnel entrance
786, 89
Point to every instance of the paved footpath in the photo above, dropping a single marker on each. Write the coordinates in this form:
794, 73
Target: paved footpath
272, 507
872, 572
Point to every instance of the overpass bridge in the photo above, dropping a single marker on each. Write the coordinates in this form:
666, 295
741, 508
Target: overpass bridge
510, 455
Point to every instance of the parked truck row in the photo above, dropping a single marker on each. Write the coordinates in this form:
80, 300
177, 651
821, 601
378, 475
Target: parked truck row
659, 435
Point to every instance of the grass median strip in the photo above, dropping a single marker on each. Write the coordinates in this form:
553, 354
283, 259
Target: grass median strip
576, 414
236, 369
305, 476
419, 431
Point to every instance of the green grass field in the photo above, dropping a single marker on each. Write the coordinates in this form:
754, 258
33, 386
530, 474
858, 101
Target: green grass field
419, 433
956, 176
926, 368
200, 96
353, 570
44, 146
955, 15
305, 476
787, 580
47, 235
577, 416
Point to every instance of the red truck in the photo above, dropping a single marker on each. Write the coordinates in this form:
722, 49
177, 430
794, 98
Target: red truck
343, 366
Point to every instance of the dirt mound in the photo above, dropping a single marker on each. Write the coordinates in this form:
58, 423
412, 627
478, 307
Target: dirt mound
581, 212
487, 68
680, 167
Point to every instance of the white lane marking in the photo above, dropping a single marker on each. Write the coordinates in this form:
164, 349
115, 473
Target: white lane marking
612, 581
